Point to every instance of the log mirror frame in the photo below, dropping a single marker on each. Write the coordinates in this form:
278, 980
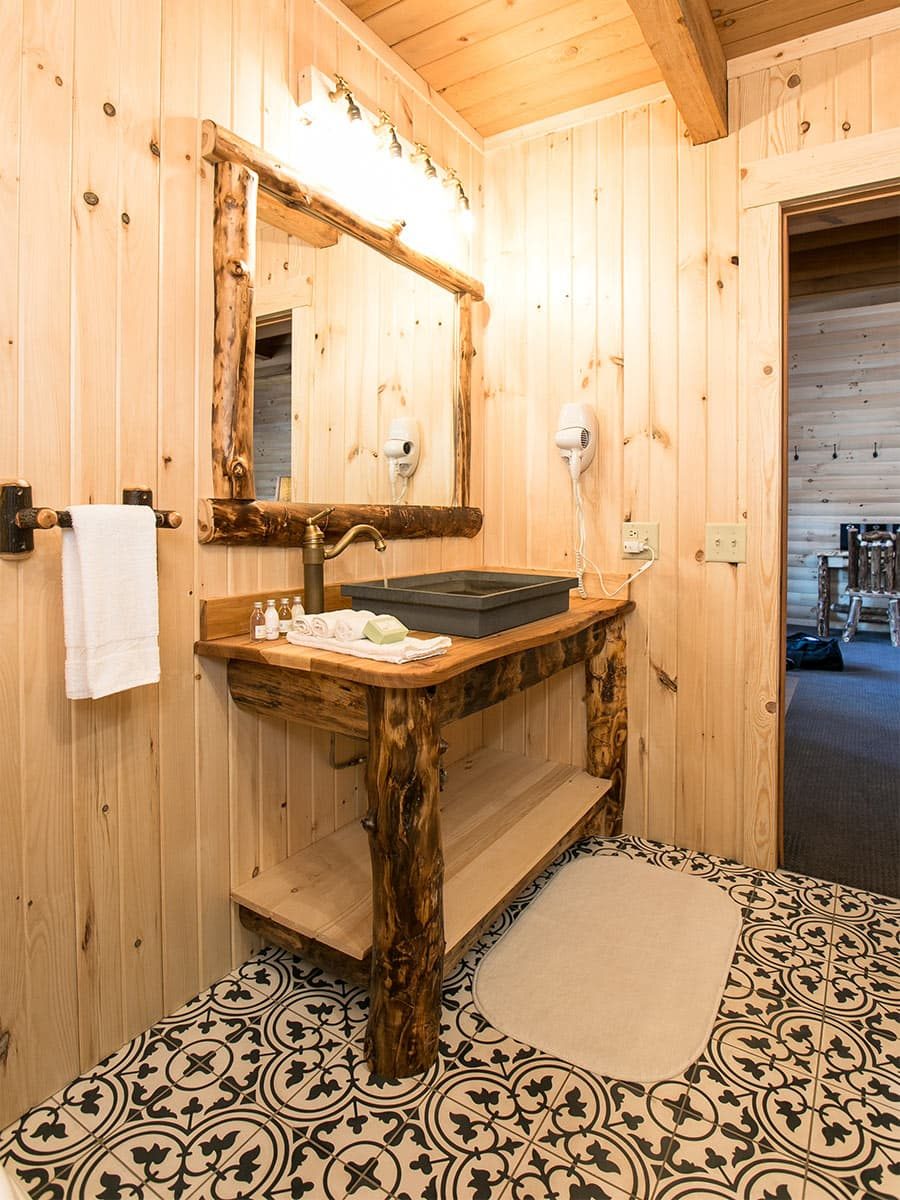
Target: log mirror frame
250, 182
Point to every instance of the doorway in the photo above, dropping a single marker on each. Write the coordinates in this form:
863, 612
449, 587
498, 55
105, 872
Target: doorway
841, 808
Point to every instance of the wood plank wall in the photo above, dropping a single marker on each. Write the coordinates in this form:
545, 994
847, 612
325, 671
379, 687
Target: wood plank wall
611, 262
844, 379
122, 821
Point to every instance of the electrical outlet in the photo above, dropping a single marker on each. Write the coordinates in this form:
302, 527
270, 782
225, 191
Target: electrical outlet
634, 531
726, 543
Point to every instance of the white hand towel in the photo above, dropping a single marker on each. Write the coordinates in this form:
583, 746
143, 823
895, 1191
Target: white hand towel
409, 650
322, 624
110, 599
350, 625
303, 625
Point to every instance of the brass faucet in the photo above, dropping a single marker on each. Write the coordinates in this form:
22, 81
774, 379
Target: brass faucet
314, 555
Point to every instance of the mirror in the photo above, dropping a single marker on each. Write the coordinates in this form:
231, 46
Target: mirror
357, 393
347, 343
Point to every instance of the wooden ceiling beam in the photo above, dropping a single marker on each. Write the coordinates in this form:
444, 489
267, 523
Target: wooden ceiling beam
684, 42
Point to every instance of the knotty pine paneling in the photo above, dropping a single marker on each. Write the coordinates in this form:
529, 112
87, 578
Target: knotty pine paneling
123, 821
844, 380
637, 313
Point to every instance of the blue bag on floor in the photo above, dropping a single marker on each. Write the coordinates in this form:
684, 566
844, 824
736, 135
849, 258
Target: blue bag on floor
808, 653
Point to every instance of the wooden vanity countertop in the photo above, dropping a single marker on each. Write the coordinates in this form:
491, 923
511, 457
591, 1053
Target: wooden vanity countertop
464, 654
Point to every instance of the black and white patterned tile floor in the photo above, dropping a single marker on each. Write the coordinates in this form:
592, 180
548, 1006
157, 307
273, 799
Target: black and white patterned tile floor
257, 1088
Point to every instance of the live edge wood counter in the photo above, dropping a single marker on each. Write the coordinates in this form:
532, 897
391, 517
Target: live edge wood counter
399, 919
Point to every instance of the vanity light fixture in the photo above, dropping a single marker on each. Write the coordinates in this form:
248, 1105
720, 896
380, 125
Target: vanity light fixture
386, 131
466, 219
460, 200
342, 92
355, 152
452, 180
422, 155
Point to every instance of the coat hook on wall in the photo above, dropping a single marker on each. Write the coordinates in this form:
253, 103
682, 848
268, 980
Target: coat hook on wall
834, 450
875, 451
796, 455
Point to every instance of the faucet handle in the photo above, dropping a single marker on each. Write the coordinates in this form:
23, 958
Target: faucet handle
326, 512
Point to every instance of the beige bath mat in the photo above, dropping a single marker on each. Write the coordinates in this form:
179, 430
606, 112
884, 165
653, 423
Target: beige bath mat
617, 966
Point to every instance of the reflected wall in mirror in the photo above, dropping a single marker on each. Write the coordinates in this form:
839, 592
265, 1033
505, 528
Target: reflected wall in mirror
347, 342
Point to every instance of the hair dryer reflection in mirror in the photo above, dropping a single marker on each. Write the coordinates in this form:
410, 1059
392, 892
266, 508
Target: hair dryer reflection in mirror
402, 450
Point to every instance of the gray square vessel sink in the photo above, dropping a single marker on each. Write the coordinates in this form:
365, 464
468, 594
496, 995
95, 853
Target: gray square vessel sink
466, 603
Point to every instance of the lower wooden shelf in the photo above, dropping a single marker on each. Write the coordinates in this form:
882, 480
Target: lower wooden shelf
503, 818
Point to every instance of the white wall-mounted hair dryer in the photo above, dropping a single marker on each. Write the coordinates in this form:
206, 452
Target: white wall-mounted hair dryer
402, 450
577, 431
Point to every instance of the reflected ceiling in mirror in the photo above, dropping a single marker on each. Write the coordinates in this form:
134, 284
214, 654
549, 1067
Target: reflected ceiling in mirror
347, 342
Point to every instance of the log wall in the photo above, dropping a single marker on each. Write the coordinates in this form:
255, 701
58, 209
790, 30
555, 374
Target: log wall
844, 383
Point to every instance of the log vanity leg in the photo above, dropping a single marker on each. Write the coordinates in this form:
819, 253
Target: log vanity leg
606, 711
403, 824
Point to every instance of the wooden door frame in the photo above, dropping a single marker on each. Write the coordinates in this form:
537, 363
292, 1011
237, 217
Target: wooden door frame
770, 190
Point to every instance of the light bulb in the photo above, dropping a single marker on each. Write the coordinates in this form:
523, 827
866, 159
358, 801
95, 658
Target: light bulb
466, 217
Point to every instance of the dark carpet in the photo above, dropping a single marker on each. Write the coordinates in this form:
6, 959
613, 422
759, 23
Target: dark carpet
842, 770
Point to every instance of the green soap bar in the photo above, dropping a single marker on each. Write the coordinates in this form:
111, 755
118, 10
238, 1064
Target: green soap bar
383, 630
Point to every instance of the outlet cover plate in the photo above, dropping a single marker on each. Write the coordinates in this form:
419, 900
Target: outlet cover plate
726, 543
641, 532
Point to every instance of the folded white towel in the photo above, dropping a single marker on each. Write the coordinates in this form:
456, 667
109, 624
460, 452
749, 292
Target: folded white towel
303, 625
350, 625
409, 650
322, 624
110, 599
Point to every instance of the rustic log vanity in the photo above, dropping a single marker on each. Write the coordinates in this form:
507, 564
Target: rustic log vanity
396, 913
396, 901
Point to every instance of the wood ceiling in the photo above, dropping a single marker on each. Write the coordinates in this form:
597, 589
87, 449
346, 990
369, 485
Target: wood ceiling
745, 25
505, 63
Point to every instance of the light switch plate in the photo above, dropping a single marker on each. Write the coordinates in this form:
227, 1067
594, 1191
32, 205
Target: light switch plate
726, 543
636, 531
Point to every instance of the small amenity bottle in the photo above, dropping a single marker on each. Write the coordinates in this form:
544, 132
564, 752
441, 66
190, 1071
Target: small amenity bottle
271, 621
257, 622
297, 611
284, 616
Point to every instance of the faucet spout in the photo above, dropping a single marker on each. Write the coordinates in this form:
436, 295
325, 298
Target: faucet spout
356, 531
315, 554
